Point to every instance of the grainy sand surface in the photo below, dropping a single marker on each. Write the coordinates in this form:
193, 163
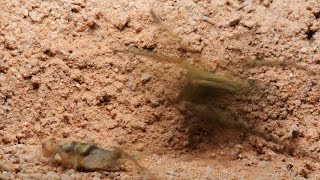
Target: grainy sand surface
60, 79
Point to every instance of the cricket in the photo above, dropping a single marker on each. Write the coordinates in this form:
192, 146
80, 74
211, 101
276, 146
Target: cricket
89, 157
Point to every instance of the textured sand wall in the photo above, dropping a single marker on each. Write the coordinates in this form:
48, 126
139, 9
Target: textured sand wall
60, 78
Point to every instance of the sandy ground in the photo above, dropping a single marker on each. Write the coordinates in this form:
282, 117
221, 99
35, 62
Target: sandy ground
59, 78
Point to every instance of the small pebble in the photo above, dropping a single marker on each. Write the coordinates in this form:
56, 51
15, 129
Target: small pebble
145, 78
